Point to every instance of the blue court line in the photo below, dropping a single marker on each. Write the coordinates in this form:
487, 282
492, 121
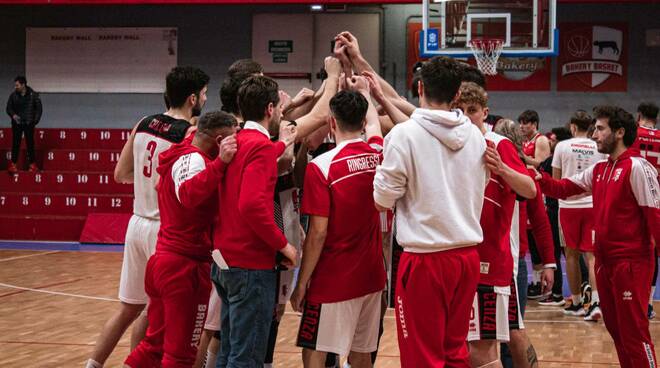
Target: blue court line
63, 246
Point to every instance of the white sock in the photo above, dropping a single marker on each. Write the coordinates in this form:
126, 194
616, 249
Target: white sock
594, 297
576, 299
91, 363
651, 296
268, 365
536, 276
346, 365
210, 359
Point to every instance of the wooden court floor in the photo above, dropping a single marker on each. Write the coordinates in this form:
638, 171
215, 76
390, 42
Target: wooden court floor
54, 303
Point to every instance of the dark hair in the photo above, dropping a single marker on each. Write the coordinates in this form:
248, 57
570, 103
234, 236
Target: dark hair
649, 110
562, 133
349, 109
470, 73
166, 100
582, 120
215, 120
183, 81
254, 95
243, 68
618, 118
20, 79
417, 66
529, 116
415, 83
442, 78
228, 95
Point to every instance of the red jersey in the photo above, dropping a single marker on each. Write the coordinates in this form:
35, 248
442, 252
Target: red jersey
187, 208
529, 147
246, 234
496, 216
648, 145
626, 198
339, 186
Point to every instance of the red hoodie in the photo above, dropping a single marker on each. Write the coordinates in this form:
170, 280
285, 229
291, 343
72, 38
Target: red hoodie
187, 207
247, 235
626, 199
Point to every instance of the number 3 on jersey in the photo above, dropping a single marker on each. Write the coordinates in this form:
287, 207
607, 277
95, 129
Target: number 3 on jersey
151, 150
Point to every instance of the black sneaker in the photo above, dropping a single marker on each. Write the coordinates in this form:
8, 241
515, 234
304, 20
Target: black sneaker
594, 314
553, 300
586, 293
574, 310
534, 291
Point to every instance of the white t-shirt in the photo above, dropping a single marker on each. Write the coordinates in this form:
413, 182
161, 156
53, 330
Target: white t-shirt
572, 157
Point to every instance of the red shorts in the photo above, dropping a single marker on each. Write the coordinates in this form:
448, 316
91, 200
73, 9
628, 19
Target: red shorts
577, 226
178, 289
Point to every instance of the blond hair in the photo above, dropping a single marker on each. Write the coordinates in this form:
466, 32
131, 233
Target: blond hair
472, 93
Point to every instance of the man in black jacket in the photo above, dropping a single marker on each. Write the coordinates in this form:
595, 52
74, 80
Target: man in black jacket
24, 109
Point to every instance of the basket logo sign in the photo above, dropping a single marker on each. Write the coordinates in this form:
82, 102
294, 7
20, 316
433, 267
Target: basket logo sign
592, 55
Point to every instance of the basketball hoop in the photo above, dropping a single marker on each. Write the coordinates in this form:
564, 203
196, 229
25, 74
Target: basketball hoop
487, 51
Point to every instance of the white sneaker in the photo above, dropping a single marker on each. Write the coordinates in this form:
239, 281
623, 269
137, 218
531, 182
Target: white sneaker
594, 314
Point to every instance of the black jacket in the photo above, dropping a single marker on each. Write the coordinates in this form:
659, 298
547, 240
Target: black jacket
27, 107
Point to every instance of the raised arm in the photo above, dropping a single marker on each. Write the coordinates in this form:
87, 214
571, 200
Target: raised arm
396, 115
319, 114
195, 182
504, 162
567, 187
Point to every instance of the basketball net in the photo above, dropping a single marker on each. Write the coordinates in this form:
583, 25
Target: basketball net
487, 52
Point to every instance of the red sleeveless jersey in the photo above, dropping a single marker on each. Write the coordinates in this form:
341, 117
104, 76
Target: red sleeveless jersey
529, 147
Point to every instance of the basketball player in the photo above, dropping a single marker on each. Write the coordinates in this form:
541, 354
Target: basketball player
648, 144
626, 202
509, 177
536, 149
341, 304
177, 276
186, 92
576, 215
433, 166
286, 194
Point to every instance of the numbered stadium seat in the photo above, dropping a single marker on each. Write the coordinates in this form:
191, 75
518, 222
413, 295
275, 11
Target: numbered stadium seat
76, 185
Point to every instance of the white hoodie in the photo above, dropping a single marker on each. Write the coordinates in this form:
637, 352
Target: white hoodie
434, 171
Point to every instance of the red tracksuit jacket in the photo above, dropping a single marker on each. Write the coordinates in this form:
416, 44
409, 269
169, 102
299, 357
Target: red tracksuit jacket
187, 207
626, 198
247, 235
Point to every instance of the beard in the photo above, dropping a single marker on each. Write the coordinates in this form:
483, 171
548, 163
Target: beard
197, 109
274, 125
607, 145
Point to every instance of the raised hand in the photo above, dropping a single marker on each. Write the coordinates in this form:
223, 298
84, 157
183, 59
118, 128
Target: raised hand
374, 86
332, 66
359, 84
351, 43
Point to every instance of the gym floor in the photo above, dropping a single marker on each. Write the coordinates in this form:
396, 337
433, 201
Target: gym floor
53, 304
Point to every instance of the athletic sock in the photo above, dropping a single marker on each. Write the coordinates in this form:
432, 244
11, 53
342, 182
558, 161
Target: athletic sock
576, 299
651, 296
91, 363
210, 359
594, 297
536, 276
267, 365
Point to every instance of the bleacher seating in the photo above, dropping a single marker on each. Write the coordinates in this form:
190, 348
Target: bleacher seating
76, 180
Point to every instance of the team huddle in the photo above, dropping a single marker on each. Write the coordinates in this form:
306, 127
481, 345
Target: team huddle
229, 204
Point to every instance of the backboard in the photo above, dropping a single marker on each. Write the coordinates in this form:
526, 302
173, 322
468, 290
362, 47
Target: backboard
527, 27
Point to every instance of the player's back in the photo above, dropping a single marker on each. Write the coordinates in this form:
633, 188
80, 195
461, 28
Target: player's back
647, 144
154, 134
